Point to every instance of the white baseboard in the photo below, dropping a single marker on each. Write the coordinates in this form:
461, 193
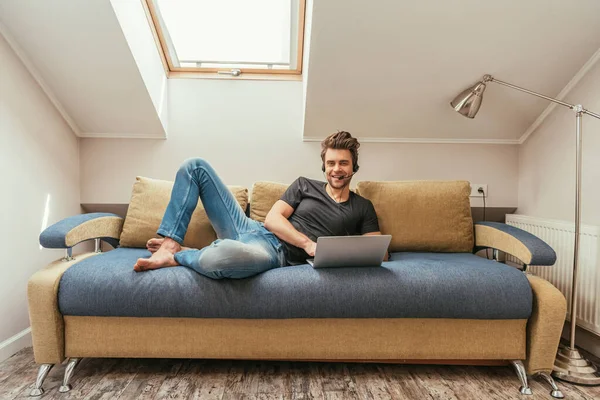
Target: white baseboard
15, 343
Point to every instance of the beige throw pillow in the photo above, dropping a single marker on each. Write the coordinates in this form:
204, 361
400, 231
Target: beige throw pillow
149, 200
423, 215
264, 195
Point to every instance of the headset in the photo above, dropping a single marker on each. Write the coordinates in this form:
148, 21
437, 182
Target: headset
355, 168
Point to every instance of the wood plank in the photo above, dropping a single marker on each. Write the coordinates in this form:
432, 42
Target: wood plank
172, 379
369, 383
238, 396
243, 378
434, 383
468, 386
115, 381
401, 382
269, 396
475, 383
273, 377
299, 378
189, 380
335, 377
305, 381
411, 362
150, 377
301, 396
337, 395
213, 378
15, 363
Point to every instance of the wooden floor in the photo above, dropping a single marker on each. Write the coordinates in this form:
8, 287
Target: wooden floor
225, 379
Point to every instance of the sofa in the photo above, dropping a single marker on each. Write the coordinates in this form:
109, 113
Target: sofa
437, 300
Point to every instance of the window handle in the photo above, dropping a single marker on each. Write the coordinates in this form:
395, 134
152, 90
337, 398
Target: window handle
234, 72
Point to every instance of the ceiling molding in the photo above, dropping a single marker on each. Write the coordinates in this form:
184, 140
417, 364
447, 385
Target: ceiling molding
38, 78
112, 135
563, 93
424, 140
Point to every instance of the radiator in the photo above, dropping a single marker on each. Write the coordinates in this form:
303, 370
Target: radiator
560, 235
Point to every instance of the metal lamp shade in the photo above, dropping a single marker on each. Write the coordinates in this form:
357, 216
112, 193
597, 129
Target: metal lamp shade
468, 102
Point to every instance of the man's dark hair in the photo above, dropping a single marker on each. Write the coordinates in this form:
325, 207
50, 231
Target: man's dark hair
341, 140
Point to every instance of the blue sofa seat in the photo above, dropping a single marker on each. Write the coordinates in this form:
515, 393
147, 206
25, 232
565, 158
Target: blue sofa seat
410, 285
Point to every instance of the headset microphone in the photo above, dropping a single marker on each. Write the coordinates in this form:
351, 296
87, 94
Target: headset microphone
346, 176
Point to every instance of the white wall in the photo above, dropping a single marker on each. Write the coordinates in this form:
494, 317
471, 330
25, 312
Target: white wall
251, 130
547, 160
39, 158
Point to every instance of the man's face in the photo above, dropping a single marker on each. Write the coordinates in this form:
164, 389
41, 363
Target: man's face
338, 163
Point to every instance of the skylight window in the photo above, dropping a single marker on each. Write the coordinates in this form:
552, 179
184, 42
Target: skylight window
230, 36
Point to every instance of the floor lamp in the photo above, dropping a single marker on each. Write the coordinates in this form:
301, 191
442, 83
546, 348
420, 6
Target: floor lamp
569, 365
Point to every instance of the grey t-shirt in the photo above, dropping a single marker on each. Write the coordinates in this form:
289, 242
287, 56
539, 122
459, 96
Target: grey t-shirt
317, 214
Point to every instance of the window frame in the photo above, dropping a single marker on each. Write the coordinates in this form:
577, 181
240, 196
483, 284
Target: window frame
173, 70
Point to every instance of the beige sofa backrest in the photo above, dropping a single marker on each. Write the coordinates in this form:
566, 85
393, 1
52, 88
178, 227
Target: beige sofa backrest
420, 215
423, 215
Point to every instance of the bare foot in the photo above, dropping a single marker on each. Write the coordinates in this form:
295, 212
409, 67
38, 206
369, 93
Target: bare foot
154, 244
163, 257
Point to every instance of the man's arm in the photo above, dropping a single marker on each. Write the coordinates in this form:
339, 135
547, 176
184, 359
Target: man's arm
387, 253
277, 222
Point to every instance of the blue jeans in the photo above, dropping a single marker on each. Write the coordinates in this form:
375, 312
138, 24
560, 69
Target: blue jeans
244, 246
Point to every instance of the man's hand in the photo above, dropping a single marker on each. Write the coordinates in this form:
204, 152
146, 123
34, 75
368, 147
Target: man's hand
310, 248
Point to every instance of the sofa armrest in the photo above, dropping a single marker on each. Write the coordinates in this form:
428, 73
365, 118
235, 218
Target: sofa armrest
528, 248
72, 230
47, 325
545, 325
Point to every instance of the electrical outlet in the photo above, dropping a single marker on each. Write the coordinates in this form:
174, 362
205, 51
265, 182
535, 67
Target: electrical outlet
475, 187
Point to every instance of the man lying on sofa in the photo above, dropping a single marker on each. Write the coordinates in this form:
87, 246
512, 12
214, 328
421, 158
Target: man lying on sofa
307, 210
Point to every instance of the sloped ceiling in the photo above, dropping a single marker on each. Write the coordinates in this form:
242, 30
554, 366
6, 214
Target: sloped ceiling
384, 70
388, 69
81, 55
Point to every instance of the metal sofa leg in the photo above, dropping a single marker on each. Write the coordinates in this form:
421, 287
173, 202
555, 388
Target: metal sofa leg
520, 368
68, 254
557, 394
41, 377
68, 374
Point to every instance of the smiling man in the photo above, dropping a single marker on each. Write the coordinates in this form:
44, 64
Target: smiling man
307, 210
311, 208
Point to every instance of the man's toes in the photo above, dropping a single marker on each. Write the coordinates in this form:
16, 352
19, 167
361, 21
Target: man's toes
141, 264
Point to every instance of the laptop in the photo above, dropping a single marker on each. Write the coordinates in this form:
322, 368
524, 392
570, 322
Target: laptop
350, 251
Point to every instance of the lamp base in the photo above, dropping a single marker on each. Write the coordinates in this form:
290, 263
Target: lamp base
571, 366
